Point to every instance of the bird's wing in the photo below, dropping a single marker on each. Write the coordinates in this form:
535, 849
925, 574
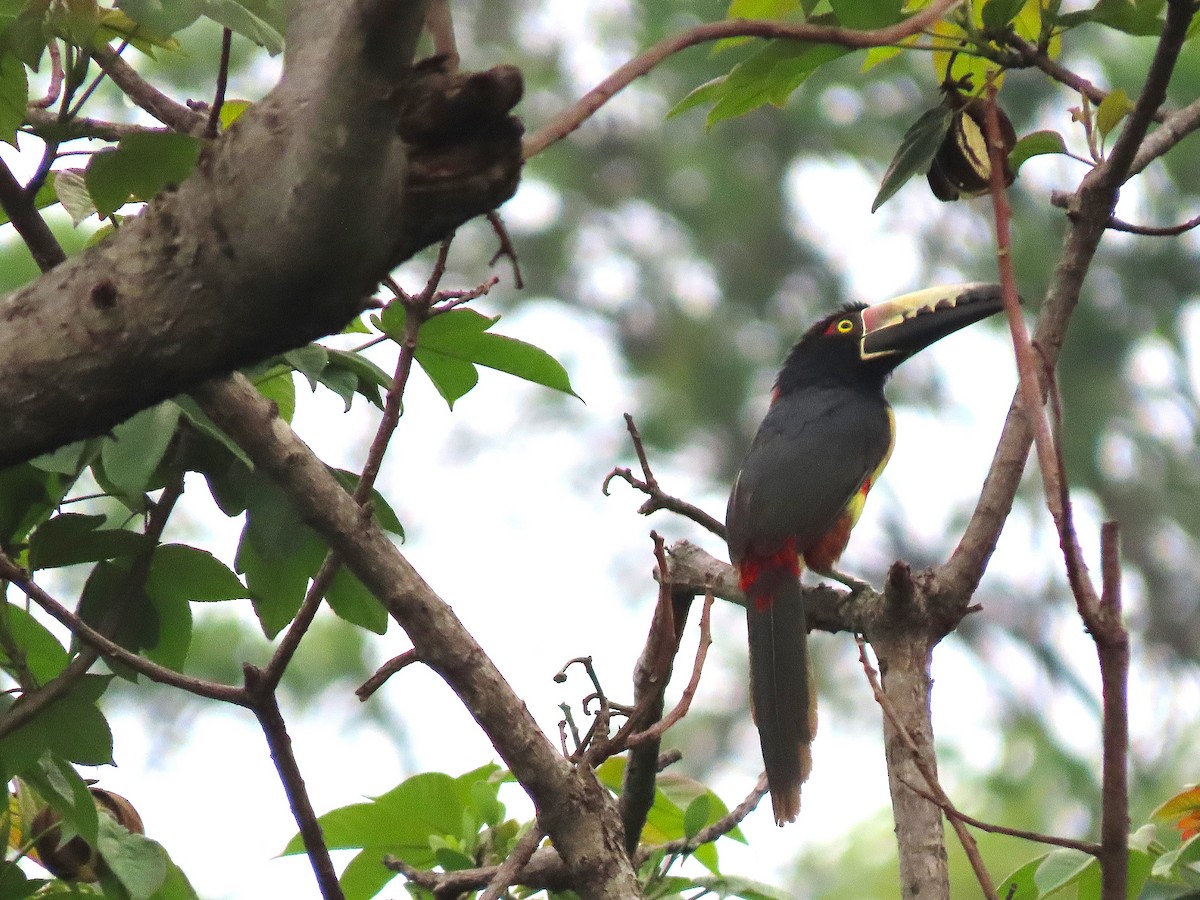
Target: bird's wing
813, 451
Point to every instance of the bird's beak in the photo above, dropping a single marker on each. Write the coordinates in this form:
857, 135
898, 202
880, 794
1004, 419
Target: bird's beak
902, 326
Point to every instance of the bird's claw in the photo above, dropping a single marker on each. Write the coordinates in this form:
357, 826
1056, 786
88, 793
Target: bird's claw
856, 585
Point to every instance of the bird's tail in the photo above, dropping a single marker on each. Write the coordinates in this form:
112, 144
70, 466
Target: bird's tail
785, 709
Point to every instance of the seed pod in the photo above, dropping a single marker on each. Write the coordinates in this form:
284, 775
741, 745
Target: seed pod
961, 166
76, 860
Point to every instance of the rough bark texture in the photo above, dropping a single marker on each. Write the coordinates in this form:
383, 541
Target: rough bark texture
572, 808
353, 163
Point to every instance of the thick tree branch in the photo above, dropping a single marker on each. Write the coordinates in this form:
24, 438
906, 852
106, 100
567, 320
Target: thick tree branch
572, 807
289, 221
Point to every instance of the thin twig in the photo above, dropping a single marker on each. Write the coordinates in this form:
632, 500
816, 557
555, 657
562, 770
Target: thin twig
579, 112
384, 672
1089, 847
18, 206
1060, 73
109, 648
516, 861
418, 310
56, 77
214, 114
175, 116
710, 833
1116, 224
265, 706
506, 248
648, 485
658, 729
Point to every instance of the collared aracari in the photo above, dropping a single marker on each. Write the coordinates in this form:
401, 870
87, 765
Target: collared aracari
823, 443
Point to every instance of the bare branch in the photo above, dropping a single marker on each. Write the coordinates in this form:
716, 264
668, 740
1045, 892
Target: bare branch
175, 116
109, 649
265, 706
658, 499
386, 671
1060, 73
579, 112
517, 860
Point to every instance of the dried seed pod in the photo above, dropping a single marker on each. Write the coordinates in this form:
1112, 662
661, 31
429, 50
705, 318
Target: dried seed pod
961, 166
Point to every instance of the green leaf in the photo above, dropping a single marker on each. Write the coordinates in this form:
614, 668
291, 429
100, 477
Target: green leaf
310, 361
449, 347
139, 863
370, 380
350, 600
188, 574
201, 422
28, 496
261, 22
770, 75
39, 651
109, 587
709, 92
996, 14
1112, 109
1020, 884
278, 554
1037, 143
761, 9
280, 388
453, 378
696, 816
1062, 867
14, 885
69, 539
14, 94
163, 17
402, 821
173, 641
384, 514
365, 875
74, 728
64, 791
915, 153
137, 446
175, 886
69, 459
71, 189
863, 14
231, 111
1141, 19
141, 166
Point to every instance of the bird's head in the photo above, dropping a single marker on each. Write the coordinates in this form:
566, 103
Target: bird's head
861, 345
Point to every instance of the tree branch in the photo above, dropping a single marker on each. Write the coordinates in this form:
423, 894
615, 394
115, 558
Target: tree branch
583, 109
572, 807
254, 252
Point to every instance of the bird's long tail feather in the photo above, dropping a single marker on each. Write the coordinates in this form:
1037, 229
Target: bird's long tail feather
780, 682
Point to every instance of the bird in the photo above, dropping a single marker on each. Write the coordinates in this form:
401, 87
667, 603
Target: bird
801, 487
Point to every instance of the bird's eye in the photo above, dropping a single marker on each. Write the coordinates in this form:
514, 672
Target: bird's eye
845, 326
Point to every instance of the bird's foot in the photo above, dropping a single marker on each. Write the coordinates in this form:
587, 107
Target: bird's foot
856, 585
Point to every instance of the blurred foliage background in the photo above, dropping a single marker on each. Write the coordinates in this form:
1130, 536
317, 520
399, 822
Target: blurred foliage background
707, 252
